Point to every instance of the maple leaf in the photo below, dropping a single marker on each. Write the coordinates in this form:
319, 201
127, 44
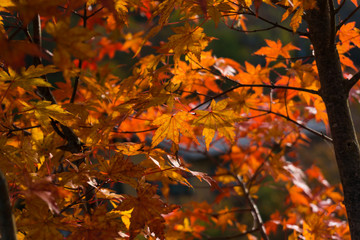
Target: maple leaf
120, 169
44, 110
102, 224
275, 49
348, 33
175, 162
158, 169
130, 148
29, 78
187, 40
38, 222
107, 47
118, 8
171, 125
296, 19
164, 9
217, 119
224, 217
44, 189
147, 210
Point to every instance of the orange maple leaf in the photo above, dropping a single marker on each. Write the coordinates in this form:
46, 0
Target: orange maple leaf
274, 50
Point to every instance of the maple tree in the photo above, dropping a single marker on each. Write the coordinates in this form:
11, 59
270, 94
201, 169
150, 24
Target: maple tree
73, 128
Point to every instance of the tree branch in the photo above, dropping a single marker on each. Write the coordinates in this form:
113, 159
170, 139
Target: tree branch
275, 24
214, 97
239, 85
9, 131
141, 131
352, 81
95, 12
258, 223
252, 31
347, 18
73, 145
340, 6
257, 217
323, 136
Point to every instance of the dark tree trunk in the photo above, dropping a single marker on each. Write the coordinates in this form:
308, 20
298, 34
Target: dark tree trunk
335, 91
7, 223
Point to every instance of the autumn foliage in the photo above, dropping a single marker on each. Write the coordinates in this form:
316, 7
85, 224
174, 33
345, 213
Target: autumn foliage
75, 124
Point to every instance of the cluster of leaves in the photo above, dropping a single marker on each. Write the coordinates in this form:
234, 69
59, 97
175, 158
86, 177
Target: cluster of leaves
72, 129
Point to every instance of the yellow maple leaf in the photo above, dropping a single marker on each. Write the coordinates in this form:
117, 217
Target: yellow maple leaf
28, 78
297, 19
164, 9
218, 119
171, 125
44, 110
187, 40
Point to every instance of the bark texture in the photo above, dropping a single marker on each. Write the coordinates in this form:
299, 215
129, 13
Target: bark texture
334, 91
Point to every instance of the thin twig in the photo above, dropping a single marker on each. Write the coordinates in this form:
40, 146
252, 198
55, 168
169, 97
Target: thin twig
27, 34
253, 86
290, 58
20, 129
214, 97
95, 12
14, 33
258, 220
89, 190
347, 18
77, 78
340, 6
252, 31
258, 223
323, 136
275, 24
147, 130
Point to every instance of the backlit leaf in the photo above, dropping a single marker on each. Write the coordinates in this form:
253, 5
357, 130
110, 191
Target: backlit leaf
217, 119
171, 125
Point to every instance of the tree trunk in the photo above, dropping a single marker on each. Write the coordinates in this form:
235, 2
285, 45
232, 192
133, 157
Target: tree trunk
7, 223
335, 91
